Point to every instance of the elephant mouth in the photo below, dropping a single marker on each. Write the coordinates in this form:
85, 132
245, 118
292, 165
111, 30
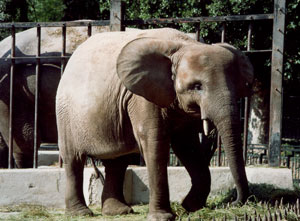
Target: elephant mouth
194, 113
193, 109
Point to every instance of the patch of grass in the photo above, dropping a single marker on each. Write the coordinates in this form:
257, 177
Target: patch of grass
35, 211
42, 214
39, 213
217, 207
28, 212
269, 193
262, 200
250, 208
257, 193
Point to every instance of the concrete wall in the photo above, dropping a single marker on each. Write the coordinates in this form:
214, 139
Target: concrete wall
46, 186
33, 186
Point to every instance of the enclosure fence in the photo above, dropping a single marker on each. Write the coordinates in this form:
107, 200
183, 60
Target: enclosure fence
118, 23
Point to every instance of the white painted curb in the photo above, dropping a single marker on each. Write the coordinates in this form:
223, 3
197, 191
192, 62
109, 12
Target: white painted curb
47, 186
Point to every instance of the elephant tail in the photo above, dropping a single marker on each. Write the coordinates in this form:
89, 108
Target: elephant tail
98, 172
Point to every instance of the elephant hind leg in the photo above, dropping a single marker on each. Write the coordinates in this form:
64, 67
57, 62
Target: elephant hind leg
3, 153
113, 202
24, 160
194, 156
75, 203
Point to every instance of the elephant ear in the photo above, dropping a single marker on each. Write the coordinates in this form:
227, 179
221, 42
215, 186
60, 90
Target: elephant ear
144, 67
246, 74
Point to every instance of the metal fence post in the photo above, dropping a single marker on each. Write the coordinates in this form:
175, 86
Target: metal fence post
219, 153
223, 32
63, 47
246, 122
276, 93
63, 65
36, 104
11, 98
89, 30
117, 15
247, 103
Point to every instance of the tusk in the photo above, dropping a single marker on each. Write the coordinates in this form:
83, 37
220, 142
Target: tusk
206, 127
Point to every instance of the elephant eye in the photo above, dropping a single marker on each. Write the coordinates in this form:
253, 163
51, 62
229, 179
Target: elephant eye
198, 87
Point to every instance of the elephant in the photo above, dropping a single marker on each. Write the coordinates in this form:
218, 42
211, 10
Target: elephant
24, 95
149, 91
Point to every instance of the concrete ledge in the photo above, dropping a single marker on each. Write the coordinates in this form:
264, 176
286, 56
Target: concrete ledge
47, 157
221, 181
47, 186
33, 186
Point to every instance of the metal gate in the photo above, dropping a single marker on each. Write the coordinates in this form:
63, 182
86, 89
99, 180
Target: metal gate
118, 23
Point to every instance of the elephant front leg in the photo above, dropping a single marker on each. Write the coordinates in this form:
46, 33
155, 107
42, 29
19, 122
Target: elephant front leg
3, 153
75, 203
156, 155
151, 132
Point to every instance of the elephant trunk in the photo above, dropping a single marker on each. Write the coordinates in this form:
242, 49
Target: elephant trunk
228, 125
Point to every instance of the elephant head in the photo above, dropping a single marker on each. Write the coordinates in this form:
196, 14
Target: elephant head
205, 80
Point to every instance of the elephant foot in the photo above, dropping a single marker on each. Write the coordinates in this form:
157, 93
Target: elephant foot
79, 211
239, 202
160, 216
193, 202
112, 207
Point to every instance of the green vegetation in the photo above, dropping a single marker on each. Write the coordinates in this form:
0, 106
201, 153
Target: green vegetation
28, 213
51, 10
57, 10
262, 200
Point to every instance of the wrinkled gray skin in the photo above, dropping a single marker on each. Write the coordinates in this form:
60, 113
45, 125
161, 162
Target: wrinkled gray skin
123, 93
26, 44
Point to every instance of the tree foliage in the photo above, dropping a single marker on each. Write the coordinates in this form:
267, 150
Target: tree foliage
45, 10
236, 32
81, 9
292, 48
13, 10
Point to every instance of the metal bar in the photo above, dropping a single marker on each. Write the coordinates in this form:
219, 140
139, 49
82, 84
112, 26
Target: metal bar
63, 51
197, 36
247, 102
117, 16
89, 29
11, 98
36, 101
219, 151
258, 51
276, 93
246, 121
31, 59
293, 150
250, 28
223, 32
154, 21
54, 24
63, 65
